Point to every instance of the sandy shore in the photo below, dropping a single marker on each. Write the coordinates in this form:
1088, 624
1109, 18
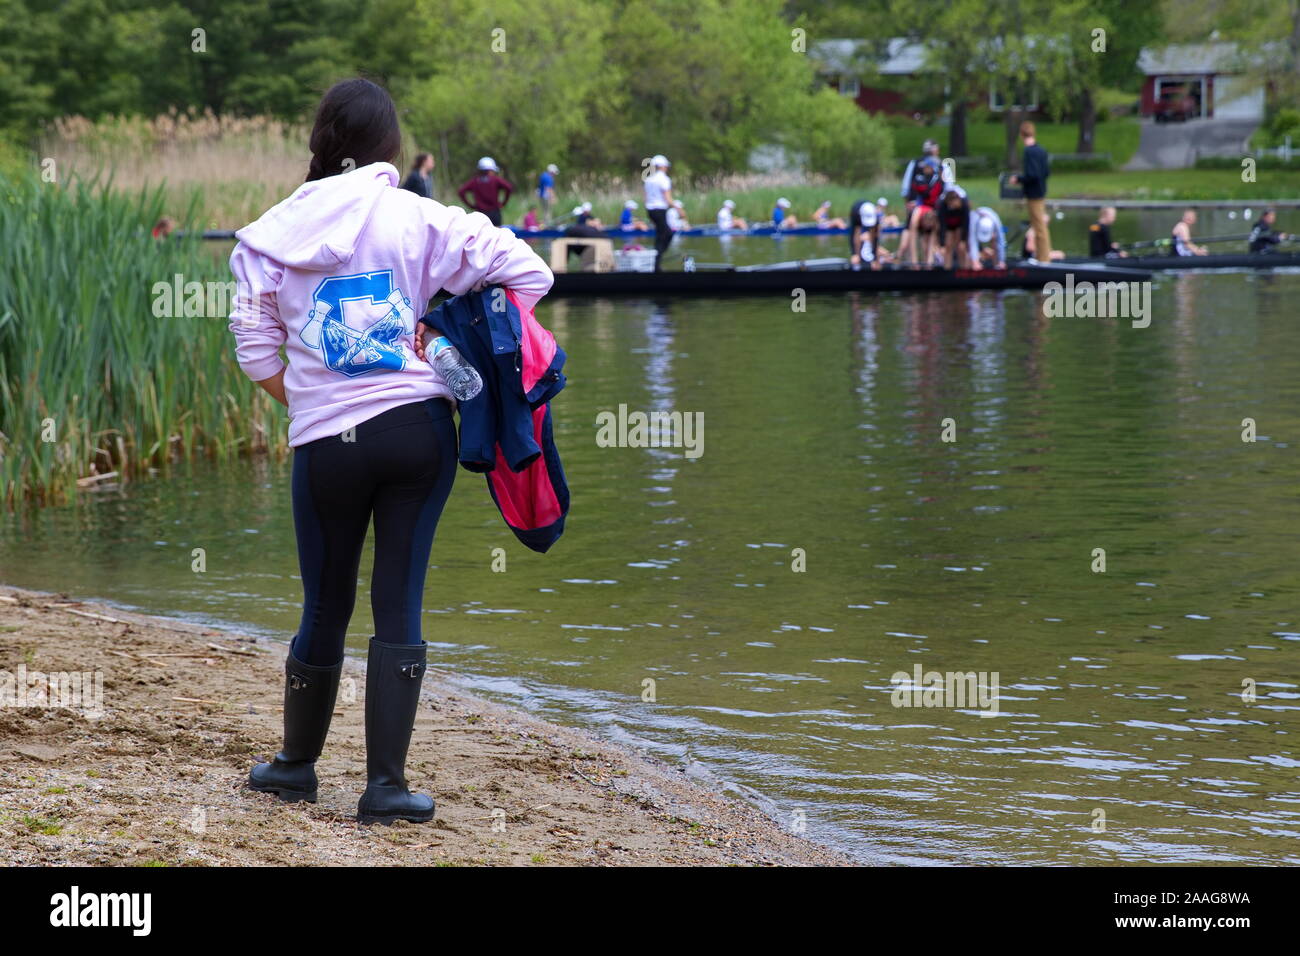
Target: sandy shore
157, 777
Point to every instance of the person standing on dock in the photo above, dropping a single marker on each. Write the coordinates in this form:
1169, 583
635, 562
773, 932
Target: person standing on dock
339, 274
1100, 244
658, 198
1182, 235
489, 190
922, 186
929, 157
1035, 168
1262, 237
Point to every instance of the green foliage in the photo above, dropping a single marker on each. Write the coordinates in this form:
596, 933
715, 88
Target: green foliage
1131, 26
1284, 122
522, 94
843, 142
1112, 101
98, 57
589, 84
14, 159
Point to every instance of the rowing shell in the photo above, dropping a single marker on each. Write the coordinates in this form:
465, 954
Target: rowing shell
1238, 261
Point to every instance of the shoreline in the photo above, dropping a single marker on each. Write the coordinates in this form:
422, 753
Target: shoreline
157, 778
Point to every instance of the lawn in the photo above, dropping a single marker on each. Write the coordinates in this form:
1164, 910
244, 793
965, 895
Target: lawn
1170, 184
1119, 137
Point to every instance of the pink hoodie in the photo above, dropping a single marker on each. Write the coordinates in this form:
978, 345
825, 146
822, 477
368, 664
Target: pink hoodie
339, 273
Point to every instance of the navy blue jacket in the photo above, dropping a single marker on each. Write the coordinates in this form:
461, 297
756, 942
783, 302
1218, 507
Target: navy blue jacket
1037, 167
505, 430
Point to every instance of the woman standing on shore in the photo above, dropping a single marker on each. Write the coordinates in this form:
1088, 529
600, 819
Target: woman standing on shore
337, 274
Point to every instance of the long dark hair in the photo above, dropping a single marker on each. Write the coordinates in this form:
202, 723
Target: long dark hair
356, 121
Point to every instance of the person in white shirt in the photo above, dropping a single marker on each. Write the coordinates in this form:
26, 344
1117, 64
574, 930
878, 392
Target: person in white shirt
987, 244
658, 200
864, 236
727, 219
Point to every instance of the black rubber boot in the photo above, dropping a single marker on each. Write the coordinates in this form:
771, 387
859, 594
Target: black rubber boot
393, 677
309, 694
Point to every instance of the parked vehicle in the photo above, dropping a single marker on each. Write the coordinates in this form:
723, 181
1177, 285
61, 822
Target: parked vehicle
1177, 108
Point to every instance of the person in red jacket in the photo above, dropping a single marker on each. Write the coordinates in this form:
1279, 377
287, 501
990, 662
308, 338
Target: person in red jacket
489, 190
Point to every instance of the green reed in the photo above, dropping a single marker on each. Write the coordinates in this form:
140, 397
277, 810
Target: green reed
91, 380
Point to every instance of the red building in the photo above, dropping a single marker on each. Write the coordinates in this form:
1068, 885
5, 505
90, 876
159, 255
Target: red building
1206, 79
844, 63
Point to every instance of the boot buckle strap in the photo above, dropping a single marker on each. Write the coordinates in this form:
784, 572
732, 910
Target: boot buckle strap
411, 669
298, 682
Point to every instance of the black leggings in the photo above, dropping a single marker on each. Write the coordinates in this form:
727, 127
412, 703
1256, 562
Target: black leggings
663, 235
399, 467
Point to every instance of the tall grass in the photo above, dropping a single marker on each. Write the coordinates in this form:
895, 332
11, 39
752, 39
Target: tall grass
241, 166
91, 381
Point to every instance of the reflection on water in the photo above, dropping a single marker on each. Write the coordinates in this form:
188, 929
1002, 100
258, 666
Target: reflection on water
1120, 692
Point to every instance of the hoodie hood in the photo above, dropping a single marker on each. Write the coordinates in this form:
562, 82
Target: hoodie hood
319, 226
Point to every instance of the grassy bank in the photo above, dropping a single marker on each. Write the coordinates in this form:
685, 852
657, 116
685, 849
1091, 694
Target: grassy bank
92, 380
1190, 184
1119, 137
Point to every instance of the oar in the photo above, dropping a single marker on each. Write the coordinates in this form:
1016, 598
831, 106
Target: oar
1011, 239
1156, 243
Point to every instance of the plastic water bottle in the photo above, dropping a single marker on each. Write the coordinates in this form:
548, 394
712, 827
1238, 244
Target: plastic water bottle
461, 377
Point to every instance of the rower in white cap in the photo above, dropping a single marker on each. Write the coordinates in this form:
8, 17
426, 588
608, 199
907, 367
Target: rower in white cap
727, 218
781, 217
629, 221
987, 244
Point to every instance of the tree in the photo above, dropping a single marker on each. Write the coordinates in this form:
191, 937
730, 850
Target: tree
710, 79
1040, 47
520, 82
1266, 32
843, 142
952, 33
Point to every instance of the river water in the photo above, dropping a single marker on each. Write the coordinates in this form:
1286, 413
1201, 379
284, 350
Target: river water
742, 612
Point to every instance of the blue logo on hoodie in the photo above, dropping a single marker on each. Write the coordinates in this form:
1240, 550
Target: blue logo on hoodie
358, 321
